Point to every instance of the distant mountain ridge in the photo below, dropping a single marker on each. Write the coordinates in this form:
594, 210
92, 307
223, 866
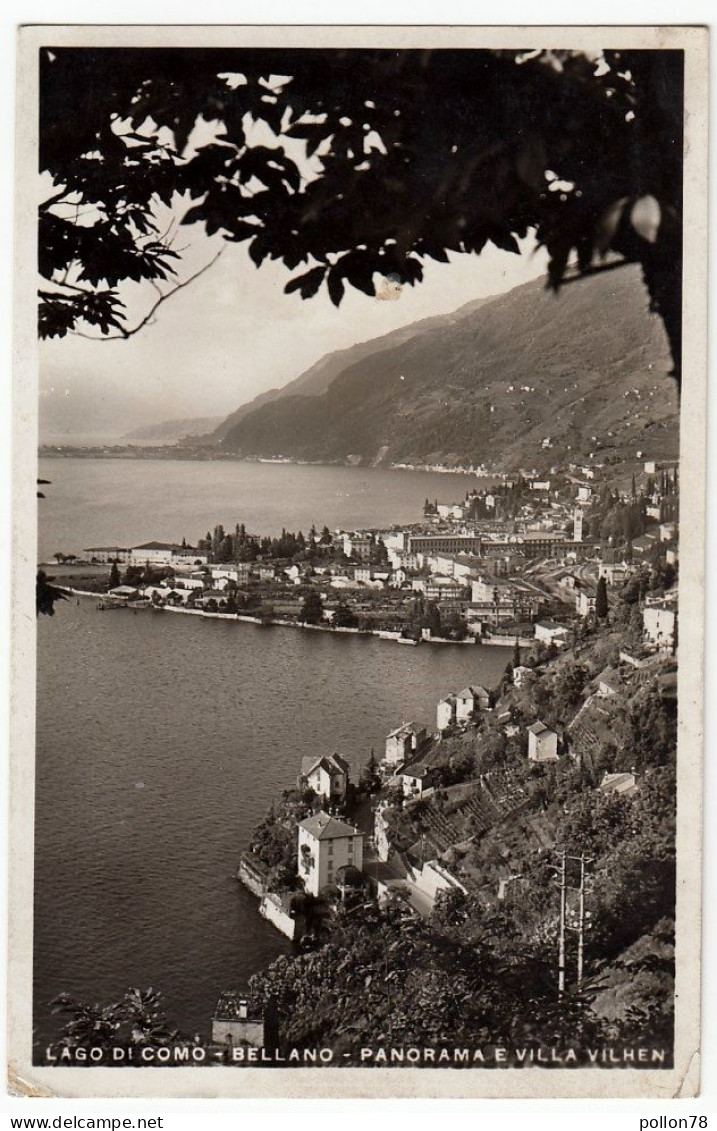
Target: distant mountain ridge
523, 379
170, 431
313, 382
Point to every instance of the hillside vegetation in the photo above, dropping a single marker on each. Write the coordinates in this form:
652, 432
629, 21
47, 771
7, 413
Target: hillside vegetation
320, 376
586, 369
481, 969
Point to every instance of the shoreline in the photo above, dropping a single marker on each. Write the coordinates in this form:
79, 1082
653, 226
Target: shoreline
280, 622
199, 455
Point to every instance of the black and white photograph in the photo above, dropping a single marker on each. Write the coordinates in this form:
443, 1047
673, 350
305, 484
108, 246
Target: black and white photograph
362, 371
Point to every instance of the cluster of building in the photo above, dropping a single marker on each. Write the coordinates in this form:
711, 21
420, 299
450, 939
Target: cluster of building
502, 563
149, 554
659, 620
456, 709
331, 851
483, 568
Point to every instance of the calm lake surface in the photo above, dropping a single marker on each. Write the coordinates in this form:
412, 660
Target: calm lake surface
124, 502
161, 740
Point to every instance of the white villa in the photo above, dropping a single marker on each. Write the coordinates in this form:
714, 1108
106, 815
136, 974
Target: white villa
107, 553
446, 713
550, 632
658, 620
542, 743
470, 700
238, 572
522, 675
403, 742
327, 776
165, 553
152, 553
357, 546
615, 573
586, 602
325, 845
416, 779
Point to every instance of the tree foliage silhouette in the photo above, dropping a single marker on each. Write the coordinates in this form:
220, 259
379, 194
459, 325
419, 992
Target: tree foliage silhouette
47, 594
601, 602
138, 1018
350, 165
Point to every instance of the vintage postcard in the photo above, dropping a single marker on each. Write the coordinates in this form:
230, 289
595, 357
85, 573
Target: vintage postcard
362, 371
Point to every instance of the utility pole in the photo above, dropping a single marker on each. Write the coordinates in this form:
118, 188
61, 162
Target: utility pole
561, 929
578, 918
581, 921
571, 919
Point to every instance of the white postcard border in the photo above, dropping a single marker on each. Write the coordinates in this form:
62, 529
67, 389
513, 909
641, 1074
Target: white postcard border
29, 1080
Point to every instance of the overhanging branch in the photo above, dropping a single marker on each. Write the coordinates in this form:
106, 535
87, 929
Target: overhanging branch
124, 333
584, 272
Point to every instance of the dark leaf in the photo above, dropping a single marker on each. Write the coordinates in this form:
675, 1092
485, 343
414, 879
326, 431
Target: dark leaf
336, 286
308, 284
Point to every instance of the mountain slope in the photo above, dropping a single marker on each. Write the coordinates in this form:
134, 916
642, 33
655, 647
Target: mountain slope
317, 379
585, 368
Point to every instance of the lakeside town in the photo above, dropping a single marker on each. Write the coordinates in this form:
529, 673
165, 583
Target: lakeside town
456, 823
527, 558
522, 818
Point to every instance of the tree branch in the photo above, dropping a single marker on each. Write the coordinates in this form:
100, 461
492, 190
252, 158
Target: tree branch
583, 273
70, 287
124, 334
47, 204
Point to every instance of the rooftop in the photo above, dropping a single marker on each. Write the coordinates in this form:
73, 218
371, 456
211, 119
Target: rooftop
328, 762
611, 677
539, 727
103, 549
323, 827
157, 546
417, 770
233, 1005
617, 783
406, 728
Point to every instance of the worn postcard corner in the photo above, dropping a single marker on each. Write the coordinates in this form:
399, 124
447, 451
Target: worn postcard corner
358, 575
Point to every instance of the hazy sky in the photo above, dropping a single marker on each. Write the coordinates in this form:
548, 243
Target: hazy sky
233, 333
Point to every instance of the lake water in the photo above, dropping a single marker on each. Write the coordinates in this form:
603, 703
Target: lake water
162, 739
123, 502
